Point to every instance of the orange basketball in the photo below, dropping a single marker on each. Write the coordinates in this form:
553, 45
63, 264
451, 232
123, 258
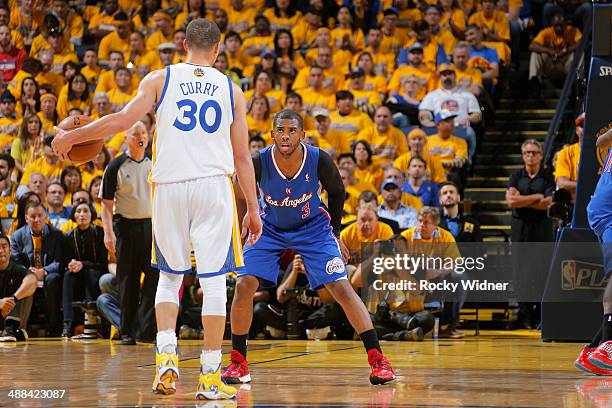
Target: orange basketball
82, 152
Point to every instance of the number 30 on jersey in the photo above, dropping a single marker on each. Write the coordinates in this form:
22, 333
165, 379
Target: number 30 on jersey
191, 116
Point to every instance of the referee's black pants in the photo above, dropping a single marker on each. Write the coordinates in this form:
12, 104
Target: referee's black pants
134, 240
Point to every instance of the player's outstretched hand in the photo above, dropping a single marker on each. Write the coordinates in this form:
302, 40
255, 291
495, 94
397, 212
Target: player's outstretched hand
59, 144
346, 254
251, 224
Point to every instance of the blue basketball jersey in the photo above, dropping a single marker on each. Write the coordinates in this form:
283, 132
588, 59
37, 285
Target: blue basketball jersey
289, 204
600, 207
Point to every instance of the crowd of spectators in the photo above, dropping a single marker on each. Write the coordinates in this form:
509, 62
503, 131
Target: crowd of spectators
398, 92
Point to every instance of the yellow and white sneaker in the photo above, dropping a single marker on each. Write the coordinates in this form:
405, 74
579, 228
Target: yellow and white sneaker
167, 372
211, 386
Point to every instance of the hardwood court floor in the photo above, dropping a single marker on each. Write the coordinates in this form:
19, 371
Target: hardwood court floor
497, 369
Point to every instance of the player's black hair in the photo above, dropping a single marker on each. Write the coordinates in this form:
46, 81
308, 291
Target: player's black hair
202, 34
288, 114
8, 159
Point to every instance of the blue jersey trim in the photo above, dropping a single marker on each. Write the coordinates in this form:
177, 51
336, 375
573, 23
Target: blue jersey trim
161, 98
231, 91
222, 272
167, 269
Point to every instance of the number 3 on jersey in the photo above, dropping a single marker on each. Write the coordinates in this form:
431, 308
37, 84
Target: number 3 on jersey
305, 211
189, 120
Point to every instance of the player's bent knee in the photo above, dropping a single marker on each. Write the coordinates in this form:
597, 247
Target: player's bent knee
215, 296
246, 285
168, 288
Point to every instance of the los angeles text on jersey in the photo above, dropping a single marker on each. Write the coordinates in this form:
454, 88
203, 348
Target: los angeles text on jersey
195, 87
288, 202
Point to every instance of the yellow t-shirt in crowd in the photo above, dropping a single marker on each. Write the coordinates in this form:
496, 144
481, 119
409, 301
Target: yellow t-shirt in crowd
41, 166
352, 238
387, 146
434, 165
348, 126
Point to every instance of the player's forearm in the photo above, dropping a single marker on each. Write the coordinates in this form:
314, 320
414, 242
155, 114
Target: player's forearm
103, 127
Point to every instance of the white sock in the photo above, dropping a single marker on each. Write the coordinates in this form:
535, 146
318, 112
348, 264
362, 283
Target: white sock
210, 360
166, 341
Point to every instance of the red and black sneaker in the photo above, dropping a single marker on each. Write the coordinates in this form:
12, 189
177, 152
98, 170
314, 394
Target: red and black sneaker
602, 356
381, 368
238, 370
583, 363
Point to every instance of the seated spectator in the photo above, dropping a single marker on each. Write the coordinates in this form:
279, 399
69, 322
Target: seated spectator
117, 40
495, 28
468, 78
39, 247
31, 68
371, 198
333, 77
568, 161
222, 65
101, 105
94, 193
8, 187
88, 261
313, 96
433, 52
365, 229
383, 63
335, 63
143, 60
462, 227
22, 203
404, 104
256, 143
17, 285
452, 17
72, 181
387, 142
451, 150
77, 97
164, 29
366, 170
95, 167
304, 32
346, 121
321, 125
373, 81
454, 99
237, 58
62, 50
392, 39
397, 315
262, 38
78, 197
122, 94
28, 103
47, 76
482, 58
166, 55
240, 17
366, 101
439, 34
393, 208
28, 146
418, 185
406, 199
9, 123
348, 162
259, 121
58, 214
91, 70
106, 81
49, 164
12, 57
552, 52
427, 238
263, 85
37, 184
48, 113
414, 67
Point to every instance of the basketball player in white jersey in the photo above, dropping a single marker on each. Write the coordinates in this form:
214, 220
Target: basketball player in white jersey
201, 135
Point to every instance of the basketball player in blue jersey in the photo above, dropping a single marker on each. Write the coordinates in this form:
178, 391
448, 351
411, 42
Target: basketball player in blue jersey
596, 357
288, 173
201, 141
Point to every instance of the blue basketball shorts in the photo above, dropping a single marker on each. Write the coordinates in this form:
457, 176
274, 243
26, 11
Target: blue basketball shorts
314, 241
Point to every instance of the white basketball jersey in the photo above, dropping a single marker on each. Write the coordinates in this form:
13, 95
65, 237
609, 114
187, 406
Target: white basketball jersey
194, 115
